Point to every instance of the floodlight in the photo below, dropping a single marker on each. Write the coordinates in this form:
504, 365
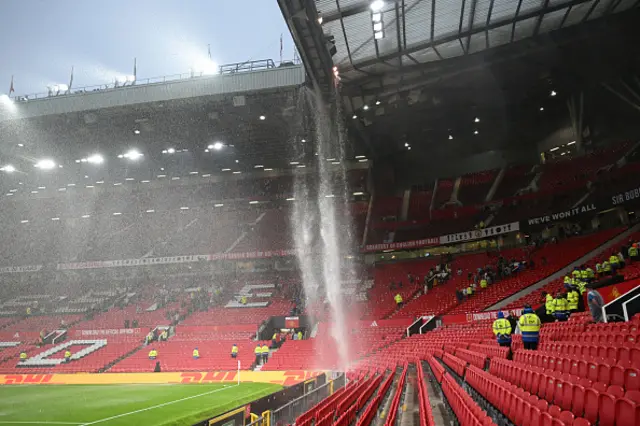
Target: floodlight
133, 155
136, 131
45, 164
8, 168
262, 117
217, 146
366, 107
171, 150
354, 116
377, 5
553, 93
477, 120
95, 159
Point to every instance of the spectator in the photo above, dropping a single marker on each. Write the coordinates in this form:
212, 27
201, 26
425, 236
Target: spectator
234, 351
596, 302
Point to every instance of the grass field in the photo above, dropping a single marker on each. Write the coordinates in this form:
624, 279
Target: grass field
117, 405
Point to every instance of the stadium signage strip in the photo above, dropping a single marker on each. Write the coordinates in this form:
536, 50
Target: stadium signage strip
284, 378
566, 214
623, 197
477, 234
460, 237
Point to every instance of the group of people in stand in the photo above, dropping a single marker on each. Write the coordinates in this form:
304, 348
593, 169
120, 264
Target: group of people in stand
528, 324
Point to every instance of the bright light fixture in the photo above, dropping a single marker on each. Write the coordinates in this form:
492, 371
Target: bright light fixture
175, 178
8, 168
329, 196
89, 186
136, 131
171, 150
571, 143
475, 132
217, 146
366, 107
117, 214
291, 199
262, 117
358, 193
364, 160
360, 156
378, 35
450, 137
268, 170
86, 216
253, 202
555, 148
129, 179
206, 175
55, 218
95, 159
45, 164
377, 102
237, 173
184, 208
133, 155
294, 163
218, 205
24, 221
258, 166
117, 184
541, 108
406, 144
301, 166
377, 5
354, 116
553, 93
193, 173
303, 140
150, 211
376, 17
226, 170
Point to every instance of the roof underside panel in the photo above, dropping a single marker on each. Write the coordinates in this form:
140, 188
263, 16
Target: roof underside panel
421, 31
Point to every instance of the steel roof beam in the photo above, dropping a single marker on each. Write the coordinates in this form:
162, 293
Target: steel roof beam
344, 12
452, 37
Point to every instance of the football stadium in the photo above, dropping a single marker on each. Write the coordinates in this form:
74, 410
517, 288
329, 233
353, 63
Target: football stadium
428, 215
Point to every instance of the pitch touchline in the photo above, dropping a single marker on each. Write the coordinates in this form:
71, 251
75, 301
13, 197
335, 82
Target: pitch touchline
155, 406
15, 422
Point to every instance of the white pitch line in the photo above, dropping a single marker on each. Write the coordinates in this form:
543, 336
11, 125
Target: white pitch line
155, 406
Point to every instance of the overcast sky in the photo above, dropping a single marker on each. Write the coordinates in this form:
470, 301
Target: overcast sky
43, 39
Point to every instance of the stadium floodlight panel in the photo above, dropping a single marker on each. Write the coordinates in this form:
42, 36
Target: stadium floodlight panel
45, 164
358, 193
218, 205
217, 146
8, 168
377, 5
171, 150
133, 155
95, 159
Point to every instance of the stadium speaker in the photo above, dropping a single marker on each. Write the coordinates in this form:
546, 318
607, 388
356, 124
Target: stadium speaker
331, 44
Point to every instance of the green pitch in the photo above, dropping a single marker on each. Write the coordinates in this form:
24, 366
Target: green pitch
119, 405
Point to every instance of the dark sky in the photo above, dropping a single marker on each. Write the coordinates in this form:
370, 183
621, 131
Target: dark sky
42, 40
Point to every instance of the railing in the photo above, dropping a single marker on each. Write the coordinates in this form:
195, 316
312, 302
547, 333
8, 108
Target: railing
236, 68
287, 414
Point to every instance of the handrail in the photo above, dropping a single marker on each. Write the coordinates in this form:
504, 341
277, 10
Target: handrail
226, 69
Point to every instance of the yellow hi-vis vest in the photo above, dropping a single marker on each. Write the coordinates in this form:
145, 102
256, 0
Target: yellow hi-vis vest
549, 304
23, 356
633, 251
582, 288
265, 349
234, 349
153, 353
257, 350
590, 273
196, 352
575, 273
572, 300
469, 291
606, 266
501, 326
67, 354
530, 327
483, 283
613, 259
567, 279
398, 298
584, 274
560, 304
598, 268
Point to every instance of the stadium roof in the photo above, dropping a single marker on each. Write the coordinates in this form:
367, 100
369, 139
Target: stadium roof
384, 36
441, 65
